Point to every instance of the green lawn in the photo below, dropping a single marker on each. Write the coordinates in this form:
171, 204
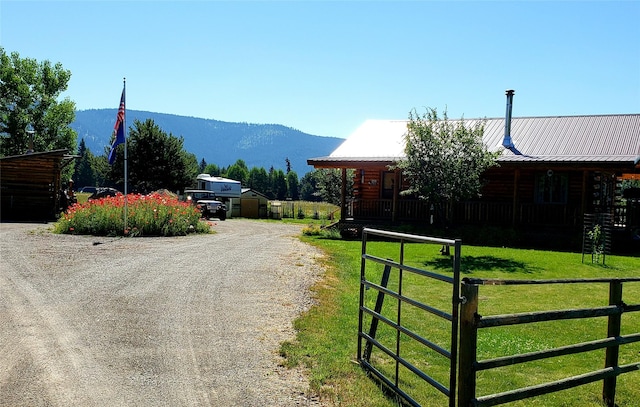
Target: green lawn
327, 334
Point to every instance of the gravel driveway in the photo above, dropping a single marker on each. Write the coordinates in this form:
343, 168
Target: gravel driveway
184, 321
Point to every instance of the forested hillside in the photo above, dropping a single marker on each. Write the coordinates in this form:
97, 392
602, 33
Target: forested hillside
217, 142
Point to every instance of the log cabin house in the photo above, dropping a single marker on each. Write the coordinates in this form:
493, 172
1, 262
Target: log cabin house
551, 172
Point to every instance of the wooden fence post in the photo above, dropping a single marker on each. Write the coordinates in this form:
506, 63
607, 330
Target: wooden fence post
611, 357
468, 345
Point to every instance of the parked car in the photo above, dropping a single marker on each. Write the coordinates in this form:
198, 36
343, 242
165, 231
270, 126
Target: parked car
104, 192
207, 202
212, 209
89, 190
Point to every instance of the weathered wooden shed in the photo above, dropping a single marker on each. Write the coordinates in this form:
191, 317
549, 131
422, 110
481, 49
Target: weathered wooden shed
30, 185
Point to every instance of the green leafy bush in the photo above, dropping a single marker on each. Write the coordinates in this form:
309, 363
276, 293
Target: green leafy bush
317, 230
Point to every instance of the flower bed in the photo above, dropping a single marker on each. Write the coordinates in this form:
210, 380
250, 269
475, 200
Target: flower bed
147, 215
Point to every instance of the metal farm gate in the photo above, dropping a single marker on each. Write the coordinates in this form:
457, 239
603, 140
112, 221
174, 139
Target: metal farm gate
408, 327
396, 338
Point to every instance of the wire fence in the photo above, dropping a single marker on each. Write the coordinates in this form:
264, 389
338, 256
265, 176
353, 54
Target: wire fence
303, 210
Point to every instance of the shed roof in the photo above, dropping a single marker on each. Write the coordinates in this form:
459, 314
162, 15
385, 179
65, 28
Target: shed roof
38, 155
251, 191
594, 139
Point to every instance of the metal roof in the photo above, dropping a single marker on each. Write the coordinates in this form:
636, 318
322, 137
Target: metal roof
595, 138
374, 139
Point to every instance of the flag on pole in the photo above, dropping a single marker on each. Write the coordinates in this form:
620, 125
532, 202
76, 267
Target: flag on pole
118, 130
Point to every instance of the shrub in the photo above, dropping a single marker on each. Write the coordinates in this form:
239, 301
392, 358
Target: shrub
147, 215
312, 230
316, 230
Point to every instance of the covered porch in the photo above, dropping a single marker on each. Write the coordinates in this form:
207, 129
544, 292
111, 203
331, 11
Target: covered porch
548, 196
470, 212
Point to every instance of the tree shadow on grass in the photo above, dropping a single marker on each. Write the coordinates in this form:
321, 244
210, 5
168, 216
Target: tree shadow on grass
471, 264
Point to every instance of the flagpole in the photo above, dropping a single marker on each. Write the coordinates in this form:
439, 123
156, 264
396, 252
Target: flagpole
124, 120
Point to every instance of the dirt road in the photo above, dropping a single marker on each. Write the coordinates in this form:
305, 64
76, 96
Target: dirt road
184, 321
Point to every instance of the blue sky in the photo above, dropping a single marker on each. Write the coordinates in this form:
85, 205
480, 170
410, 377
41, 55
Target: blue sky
324, 67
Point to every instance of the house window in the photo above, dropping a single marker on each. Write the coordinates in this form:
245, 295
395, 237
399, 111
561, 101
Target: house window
551, 188
388, 182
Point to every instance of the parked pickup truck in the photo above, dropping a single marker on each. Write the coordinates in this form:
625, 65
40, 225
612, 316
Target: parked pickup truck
207, 203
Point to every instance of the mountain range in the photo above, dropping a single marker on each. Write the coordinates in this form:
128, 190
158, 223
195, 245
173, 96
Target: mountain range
217, 142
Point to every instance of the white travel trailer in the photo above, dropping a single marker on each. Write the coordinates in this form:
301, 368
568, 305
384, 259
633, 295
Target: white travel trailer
222, 187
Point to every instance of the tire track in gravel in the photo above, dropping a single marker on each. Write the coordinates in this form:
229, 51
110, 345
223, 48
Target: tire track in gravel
47, 341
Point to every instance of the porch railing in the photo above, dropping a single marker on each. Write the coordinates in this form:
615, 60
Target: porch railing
472, 212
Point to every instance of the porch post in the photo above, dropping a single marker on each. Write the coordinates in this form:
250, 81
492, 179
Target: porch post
394, 201
343, 196
583, 197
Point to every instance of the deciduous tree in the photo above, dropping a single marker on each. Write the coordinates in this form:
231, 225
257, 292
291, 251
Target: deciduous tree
328, 184
212, 169
238, 171
259, 180
308, 187
444, 159
29, 93
279, 184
